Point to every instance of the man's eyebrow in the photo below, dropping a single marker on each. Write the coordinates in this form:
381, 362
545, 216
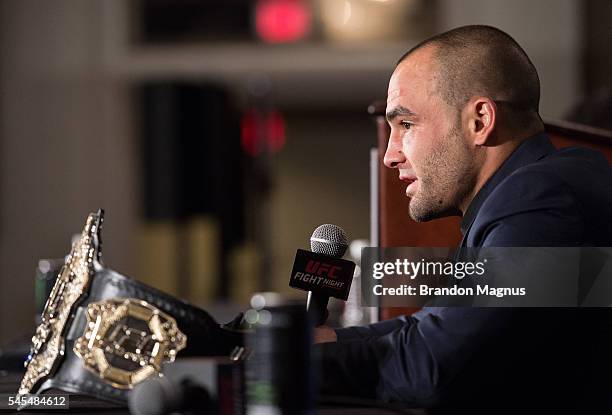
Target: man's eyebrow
397, 111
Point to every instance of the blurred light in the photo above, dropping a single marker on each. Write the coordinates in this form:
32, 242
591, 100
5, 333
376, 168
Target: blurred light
276, 132
251, 316
265, 299
356, 246
262, 131
282, 21
265, 317
366, 20
44, 266
258, 302
347, 12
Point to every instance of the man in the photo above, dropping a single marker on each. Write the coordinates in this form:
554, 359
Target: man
467, 138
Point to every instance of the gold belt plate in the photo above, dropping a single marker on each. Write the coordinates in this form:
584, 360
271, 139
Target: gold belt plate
127, 340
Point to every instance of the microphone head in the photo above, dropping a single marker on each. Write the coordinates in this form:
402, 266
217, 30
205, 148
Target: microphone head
156, 396
330, 240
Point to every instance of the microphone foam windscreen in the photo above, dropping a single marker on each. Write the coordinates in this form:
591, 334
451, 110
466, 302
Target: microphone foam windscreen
156, 396
330, 240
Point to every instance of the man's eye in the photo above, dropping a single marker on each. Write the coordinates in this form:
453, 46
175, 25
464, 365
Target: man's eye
406, 124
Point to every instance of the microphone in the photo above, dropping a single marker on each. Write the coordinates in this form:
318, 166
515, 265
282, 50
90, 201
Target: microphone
192, 386
322, 272
330, 240
161, 396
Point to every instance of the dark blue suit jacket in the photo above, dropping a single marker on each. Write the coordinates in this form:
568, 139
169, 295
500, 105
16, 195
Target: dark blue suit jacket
496, 360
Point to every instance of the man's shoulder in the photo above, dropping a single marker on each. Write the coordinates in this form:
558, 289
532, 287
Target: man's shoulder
580, 173
570, 189
565, 163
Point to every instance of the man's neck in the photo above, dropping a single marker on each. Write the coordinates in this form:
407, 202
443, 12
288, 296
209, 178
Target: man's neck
492, 161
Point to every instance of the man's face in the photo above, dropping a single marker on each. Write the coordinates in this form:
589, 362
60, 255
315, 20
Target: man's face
427, 144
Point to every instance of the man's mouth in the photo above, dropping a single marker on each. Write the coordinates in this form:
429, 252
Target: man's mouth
412, 184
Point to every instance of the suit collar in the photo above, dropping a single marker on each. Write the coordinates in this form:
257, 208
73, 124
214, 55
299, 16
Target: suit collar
529, 151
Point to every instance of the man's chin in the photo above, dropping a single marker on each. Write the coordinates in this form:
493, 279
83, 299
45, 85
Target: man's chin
420, 213
421, 217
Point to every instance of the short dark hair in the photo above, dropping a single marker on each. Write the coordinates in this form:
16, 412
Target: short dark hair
483, 60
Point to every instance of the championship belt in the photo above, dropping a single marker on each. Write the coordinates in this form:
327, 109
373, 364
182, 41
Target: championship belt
102, 332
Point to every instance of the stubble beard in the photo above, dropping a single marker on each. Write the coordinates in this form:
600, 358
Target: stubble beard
447, 176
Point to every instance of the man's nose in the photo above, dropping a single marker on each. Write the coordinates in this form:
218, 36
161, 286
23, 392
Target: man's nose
394, 155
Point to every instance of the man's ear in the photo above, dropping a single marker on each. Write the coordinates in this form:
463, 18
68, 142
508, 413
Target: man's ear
481, 120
